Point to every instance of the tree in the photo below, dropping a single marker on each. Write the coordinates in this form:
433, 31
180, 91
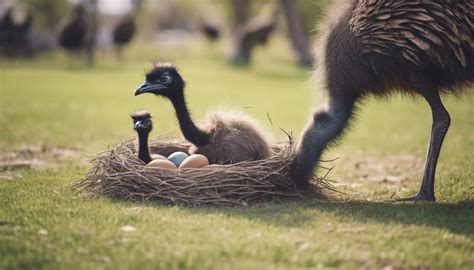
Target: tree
92, 33
249, 33
241, 10
296, 31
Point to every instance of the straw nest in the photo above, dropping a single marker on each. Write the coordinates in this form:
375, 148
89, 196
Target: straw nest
118, 172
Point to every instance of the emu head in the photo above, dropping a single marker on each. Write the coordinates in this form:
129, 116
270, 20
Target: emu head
162, 80
142, 121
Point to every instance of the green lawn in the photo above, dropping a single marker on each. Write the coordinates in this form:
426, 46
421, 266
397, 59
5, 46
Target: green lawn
54, 104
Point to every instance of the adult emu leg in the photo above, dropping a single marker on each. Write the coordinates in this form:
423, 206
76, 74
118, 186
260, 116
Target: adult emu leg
441, 122
323, 128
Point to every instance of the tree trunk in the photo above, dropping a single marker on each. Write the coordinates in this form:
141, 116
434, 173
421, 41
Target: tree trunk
92, 33
296, 32
241, 12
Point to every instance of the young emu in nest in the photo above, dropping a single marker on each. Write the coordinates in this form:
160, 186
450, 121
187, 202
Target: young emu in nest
143, 125
374, 47
223, 139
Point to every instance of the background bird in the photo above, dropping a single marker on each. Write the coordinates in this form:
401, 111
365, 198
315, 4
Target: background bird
223, 138
210, 30
74, 30
15, 27
123, 33
256, 32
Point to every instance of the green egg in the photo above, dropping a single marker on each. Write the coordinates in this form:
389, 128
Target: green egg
177, 158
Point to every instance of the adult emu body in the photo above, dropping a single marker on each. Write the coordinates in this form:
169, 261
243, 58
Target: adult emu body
377, 47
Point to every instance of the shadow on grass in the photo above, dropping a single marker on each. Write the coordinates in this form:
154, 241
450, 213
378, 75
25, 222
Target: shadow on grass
457, 218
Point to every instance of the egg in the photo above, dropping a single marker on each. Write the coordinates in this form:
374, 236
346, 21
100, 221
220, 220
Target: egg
177, 158
161, 163
156, 156
194, 161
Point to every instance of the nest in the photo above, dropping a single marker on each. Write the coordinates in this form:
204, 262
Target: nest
118, 173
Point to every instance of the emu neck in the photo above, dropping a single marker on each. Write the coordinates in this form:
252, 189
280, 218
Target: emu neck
190, 131
143, 151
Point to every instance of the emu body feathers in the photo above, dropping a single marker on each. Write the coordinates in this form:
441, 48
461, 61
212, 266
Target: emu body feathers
378, 47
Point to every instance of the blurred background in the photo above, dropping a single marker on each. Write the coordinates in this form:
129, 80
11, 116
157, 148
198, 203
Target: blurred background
64, 65
88, 28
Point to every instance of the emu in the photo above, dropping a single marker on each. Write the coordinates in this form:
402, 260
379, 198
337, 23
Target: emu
256, 32
372, 47
143, 125
210, 30
123, 33
224, 139
14, 31
74, 31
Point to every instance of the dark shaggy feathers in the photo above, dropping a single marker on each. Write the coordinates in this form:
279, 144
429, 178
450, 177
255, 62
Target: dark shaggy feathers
235, 138
437, 32
376, 47
157, 69
226, 136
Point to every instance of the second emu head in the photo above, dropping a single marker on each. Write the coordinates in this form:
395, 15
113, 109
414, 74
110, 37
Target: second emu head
142, 121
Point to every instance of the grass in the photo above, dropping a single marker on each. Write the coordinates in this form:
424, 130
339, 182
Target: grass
52, 102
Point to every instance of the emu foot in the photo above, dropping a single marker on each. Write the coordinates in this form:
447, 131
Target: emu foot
300, 182
420, 197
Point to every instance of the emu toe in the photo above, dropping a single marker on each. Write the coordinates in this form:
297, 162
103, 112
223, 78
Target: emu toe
420, 197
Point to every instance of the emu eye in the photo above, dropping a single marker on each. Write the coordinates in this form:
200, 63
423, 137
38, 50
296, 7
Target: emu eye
165, 79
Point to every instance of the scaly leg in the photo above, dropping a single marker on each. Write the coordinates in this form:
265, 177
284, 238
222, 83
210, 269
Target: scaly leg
441, 122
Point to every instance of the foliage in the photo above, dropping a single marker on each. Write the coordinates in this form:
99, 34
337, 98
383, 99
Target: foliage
48, 13
312, 12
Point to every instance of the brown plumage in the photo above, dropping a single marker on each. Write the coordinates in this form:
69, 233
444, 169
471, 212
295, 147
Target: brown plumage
235, 138
227, 137
425, 33
379, 47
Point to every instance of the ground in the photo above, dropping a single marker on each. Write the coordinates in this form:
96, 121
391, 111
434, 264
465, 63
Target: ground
55, 114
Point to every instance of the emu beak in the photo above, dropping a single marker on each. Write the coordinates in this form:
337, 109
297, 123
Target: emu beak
147, 87
138, 124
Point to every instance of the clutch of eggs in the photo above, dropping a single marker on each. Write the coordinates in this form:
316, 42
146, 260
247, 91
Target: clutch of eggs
179, 160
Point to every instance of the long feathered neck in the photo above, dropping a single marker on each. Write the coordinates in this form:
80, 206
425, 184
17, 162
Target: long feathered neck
143, 151
190, 131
